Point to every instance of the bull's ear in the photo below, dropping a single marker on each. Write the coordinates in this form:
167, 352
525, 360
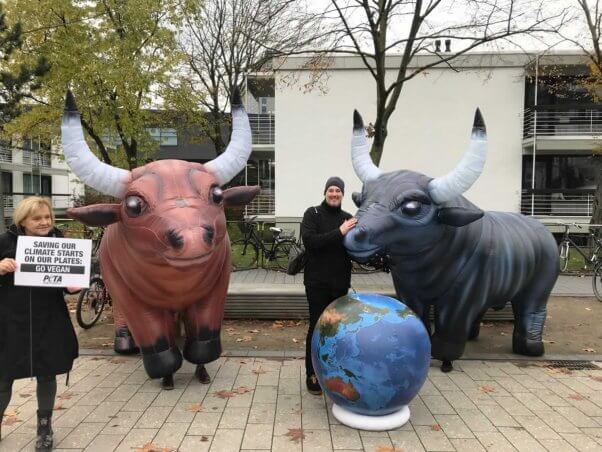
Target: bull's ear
97, 214
239, 196
459, 216
357, 198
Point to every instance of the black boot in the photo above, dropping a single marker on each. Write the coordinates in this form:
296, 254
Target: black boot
44, 440
313, 387
202, 375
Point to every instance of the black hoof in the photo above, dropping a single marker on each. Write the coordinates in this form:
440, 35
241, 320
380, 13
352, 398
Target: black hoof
124, 343
201, 374
445, 350
447, 366
203, 351
167, 383
161, 364
527, 347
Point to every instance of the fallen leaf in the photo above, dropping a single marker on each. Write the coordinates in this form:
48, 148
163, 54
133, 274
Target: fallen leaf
296, 434
388, 449
106, 344
227, 394
487, 388
253, 331
259, 371
596, 378
65, 396
118, 360
576, 397
98, 358
195, 408
589, 350
204, 439
278, 324
11, 413
295, 340
10, 420
588, 309
502, 333
436, 428
24, 396
242, 390
59, 406
150, 447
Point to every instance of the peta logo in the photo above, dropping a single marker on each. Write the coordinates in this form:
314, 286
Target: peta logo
52, 279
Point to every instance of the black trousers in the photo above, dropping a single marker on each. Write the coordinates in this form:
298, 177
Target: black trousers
318, 299
45, 391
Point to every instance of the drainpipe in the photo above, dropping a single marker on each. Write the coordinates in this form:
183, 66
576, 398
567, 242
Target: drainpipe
534, 135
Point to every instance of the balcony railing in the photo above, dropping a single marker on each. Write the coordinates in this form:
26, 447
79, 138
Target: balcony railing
60, 201
560, 203
263, 204
557, 122
262, 128
36, 159
6, 155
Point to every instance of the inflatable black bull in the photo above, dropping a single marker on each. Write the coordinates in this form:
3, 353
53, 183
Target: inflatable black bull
447, 253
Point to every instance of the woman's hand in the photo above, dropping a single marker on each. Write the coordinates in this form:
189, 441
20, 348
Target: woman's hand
8, 265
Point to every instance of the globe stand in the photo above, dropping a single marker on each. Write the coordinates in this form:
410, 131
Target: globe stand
376, 423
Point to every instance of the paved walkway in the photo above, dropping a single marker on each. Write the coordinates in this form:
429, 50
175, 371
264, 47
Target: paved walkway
567, 285
261, 404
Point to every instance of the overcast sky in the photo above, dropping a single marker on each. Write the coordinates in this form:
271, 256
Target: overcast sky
455, 11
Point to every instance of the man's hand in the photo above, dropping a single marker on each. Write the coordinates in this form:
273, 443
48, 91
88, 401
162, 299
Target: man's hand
8, 265
348, 225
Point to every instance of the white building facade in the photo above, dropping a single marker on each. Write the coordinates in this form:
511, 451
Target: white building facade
429, 130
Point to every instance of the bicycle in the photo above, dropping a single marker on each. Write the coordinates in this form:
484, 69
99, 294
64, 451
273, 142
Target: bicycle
91, 303
591, 258
245, 251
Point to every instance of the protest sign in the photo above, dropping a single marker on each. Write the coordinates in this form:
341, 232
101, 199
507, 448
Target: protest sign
53, 262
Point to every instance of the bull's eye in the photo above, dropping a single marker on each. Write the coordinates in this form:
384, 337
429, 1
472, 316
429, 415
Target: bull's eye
411, 207
217, 195
134, 205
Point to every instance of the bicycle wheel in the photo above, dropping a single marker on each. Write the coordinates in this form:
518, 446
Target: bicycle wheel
244, 255
563, 252
91, 303
281, 255
597, 282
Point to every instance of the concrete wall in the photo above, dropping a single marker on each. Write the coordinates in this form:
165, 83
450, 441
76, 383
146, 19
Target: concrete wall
428, 132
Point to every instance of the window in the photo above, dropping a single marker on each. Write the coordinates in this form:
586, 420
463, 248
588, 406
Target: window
562, 172
34, 183
263, 105
165, 137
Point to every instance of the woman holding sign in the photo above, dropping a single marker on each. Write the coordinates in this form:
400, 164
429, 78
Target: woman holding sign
36, 334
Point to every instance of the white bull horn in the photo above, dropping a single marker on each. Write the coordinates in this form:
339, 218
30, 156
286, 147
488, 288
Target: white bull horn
469, 169
363, 165
101, 177
235, 157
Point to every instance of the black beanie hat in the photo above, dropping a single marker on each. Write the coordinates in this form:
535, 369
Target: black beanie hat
337, 182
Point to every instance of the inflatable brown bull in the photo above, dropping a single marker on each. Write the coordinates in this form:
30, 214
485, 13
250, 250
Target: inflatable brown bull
165, 248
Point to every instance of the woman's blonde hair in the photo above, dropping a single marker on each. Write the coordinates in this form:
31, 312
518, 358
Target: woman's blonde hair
28, 206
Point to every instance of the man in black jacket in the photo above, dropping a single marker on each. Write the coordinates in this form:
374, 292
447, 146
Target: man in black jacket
328, 267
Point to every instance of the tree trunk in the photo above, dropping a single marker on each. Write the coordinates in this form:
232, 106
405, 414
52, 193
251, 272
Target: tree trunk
216, 133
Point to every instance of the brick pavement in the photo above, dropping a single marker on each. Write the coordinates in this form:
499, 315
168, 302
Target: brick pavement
261, 404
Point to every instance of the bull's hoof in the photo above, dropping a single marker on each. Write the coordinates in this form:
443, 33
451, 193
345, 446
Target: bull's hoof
447, 366
124, 343
523, 346
162, 364
203, 351
445, 350
167, 383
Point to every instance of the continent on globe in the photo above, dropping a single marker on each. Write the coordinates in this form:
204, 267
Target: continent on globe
347, 390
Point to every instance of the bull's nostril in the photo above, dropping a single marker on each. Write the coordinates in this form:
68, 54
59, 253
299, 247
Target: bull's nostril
361, 234
175, 239
209, 234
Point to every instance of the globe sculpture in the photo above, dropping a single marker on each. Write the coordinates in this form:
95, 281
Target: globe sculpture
371, 355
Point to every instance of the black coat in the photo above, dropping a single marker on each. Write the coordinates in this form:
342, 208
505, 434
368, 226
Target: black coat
36, 334
328, 264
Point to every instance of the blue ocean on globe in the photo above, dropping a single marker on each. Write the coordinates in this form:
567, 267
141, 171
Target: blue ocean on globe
371, 353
